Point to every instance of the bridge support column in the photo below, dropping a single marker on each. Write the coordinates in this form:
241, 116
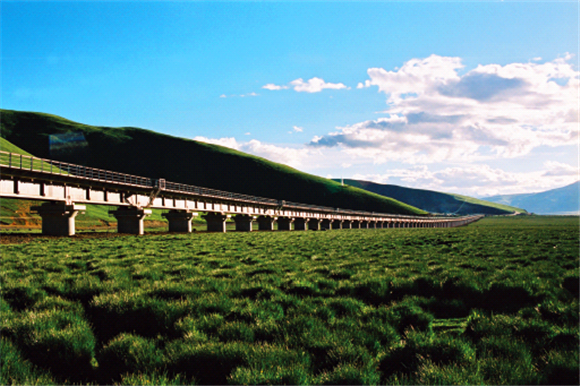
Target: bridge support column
355, 224
346, 224
285, 223
314, 224
266, 223
325, 224
130, 219
336, 224
58, 219
216, 222
179, 220
243, 222
300, 224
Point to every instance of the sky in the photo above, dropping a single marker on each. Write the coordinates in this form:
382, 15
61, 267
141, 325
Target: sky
470, 97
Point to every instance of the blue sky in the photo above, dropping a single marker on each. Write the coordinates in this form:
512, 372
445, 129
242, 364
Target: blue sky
472, 97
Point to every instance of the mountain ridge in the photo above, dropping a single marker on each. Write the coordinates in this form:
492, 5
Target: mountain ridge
564, 200
433, 201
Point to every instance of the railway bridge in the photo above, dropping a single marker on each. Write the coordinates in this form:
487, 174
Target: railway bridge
67, 187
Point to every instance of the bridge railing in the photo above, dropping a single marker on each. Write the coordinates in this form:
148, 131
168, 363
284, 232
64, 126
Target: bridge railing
43, 165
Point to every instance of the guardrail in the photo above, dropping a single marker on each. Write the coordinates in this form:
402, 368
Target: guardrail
49, 166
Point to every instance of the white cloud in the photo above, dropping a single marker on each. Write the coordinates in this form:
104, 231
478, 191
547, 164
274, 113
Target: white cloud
272, 86
478, 180
314, 85
298, 129
492, 111
295, 157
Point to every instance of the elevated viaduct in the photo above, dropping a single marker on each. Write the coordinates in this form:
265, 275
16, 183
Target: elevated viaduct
67, 187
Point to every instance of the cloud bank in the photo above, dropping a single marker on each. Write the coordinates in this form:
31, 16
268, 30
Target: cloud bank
435, 114
443, 127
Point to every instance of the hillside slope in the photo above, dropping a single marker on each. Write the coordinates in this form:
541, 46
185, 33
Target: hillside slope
147, 153
435, 202
565, 200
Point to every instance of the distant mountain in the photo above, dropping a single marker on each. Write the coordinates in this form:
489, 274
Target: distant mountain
564, 200
435, 202
147, 153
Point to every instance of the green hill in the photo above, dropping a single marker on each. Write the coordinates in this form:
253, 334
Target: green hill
147, 153
435, 202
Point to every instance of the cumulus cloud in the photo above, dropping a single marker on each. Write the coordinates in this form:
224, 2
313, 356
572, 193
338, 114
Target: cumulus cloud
272, 86
295, 157
436, 114
314, 85
479, 180
310, 86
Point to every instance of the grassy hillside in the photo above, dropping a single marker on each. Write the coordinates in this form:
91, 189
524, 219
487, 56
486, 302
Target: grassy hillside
147, 153
563, 200
435, 202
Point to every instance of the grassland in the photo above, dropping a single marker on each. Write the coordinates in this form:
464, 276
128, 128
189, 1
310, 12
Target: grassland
492, 303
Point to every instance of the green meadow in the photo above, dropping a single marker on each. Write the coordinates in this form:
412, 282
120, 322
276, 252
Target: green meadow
495, 302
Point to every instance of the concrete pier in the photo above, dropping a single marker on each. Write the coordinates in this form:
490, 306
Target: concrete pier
243, 222
300, 224
58, 218
285, 223
266, 223
216, 222
179, 220
130, 219
314, 224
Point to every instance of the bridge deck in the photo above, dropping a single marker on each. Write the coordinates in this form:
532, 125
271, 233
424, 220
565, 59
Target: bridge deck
27, 177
